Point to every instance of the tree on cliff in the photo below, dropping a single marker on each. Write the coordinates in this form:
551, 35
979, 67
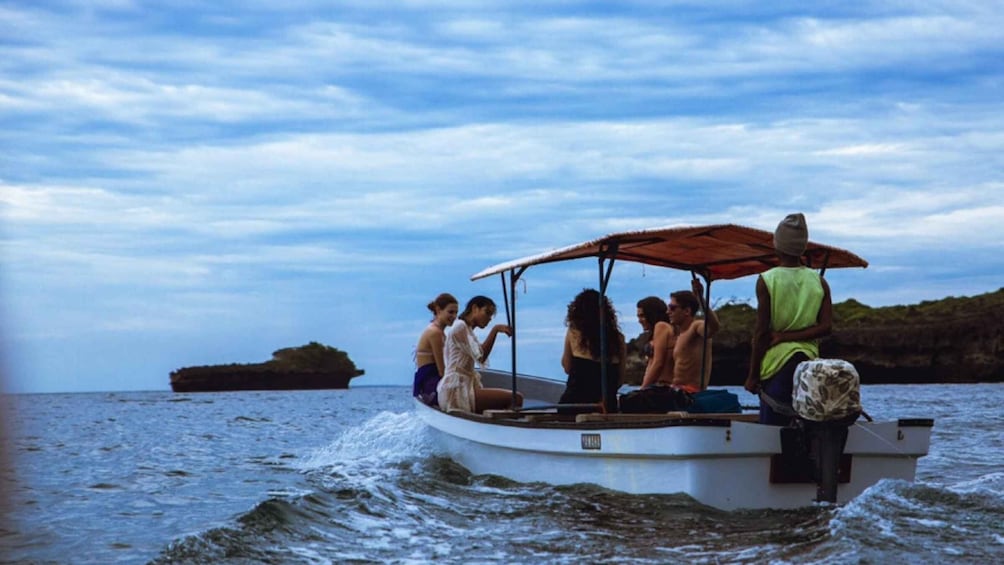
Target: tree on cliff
955, 339
313, 357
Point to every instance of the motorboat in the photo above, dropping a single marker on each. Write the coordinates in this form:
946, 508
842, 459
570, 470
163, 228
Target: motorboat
724, 460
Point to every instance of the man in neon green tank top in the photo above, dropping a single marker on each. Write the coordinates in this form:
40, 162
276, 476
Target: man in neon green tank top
793, 311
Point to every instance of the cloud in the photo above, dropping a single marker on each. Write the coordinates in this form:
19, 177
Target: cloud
318, 171
920, 220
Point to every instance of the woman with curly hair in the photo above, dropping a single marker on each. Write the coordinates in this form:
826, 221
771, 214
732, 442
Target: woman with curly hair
581, 358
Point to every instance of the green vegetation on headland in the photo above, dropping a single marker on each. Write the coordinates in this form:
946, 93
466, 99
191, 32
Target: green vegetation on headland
953, 340
312, 366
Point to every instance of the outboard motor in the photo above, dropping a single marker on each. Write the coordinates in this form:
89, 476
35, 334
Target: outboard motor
827, 400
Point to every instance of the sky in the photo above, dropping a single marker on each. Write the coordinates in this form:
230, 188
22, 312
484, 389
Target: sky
187, 183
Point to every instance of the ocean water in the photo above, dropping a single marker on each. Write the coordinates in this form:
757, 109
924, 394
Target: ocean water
351, 476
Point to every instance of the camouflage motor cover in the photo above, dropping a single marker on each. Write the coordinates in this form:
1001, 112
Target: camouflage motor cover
826, 390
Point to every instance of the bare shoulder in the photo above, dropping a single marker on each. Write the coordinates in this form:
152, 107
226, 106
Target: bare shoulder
695, 331
437, 334
431, 331
663, 330
671, 335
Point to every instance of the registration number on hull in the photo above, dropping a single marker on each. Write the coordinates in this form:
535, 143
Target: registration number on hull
591, 441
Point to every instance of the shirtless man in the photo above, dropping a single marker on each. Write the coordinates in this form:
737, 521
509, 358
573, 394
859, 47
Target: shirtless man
675, 365
689, 334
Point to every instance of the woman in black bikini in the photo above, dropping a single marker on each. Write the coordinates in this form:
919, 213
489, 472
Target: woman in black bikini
651, 313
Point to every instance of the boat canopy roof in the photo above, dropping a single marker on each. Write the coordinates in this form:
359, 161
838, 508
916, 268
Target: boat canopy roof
717, 252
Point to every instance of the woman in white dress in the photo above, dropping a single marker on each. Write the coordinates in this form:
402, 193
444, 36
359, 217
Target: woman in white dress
460, 387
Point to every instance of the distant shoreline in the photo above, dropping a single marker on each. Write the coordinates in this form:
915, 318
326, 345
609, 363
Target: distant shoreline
952, 340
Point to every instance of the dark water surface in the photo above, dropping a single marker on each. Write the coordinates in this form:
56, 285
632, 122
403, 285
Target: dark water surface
351, 476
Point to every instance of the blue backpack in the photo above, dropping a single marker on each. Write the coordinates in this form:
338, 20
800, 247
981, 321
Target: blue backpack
718, 401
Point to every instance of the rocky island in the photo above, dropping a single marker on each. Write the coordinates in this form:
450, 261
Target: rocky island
953, 340
312, 366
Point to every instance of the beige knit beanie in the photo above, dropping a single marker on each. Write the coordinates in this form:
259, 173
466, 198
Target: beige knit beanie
791, 235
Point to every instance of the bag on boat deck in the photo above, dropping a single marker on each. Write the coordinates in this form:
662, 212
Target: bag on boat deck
826, 390
655, 400
715, 401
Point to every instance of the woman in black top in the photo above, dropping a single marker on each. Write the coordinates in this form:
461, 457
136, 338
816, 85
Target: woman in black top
582, 353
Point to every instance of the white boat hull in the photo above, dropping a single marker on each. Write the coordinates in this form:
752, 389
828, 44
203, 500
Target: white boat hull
722, 463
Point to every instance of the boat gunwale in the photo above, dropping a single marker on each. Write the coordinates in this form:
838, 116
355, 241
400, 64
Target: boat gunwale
915, 422
637, 421
657, 421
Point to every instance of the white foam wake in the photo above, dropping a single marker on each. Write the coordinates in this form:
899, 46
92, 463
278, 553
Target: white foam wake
378, 443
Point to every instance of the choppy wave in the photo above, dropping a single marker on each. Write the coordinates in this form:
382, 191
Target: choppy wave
354, 477
380, 496
926, 523
380, 493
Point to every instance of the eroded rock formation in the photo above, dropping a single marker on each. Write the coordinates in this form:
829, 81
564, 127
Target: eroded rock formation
312, 366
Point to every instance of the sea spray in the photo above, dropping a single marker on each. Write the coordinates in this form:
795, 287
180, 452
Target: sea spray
366, 449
